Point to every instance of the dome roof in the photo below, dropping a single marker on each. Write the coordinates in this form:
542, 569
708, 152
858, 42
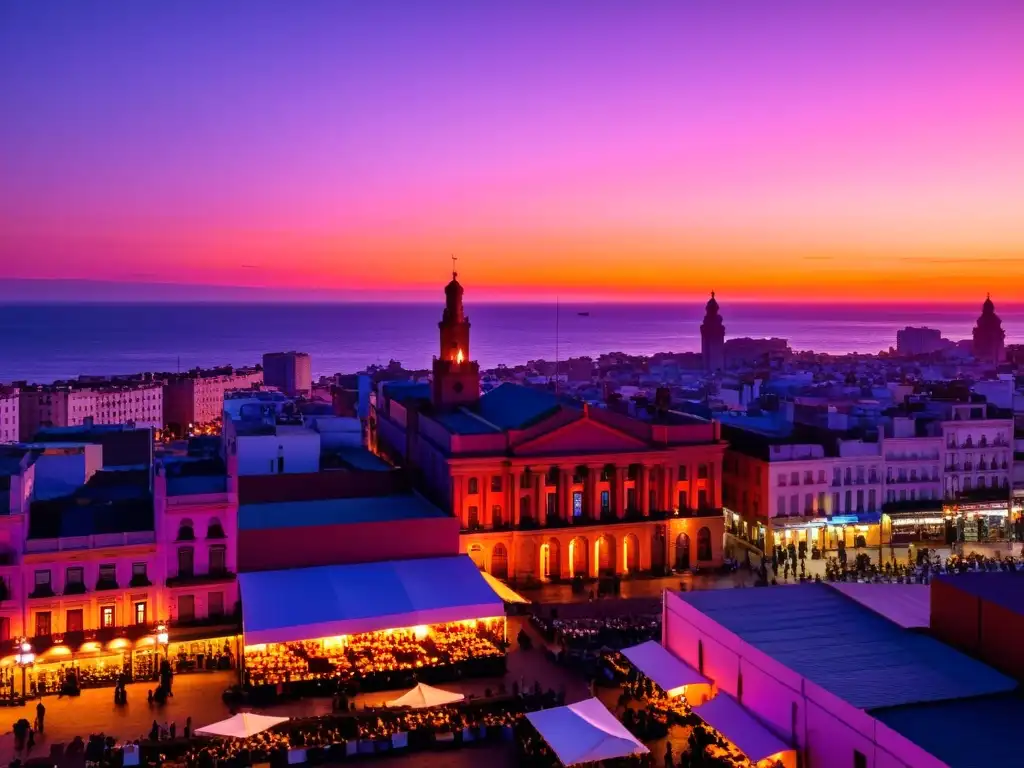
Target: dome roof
988, 307
712, 305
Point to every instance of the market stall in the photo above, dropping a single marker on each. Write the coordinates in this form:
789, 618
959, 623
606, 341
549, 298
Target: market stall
372, 622
749, 735
674, 676
584, 732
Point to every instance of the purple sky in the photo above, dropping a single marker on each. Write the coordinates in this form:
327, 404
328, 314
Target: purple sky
765, 149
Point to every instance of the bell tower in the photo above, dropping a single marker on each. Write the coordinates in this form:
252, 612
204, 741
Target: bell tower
456, 378
712, 338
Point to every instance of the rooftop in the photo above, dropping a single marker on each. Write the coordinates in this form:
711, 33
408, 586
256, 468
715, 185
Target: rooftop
371, 509
953, 730
353, 457
111, 502
513, 406
194, 475
847, 649
123, 446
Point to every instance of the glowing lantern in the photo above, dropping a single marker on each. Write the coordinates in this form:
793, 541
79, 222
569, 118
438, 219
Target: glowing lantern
459, 357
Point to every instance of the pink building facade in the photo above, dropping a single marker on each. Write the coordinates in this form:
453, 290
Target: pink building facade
826, 730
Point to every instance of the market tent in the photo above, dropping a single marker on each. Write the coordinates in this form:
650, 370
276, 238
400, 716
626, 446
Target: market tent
668, 671
752, 737
423, 696
327, 601
504, 591
241, 726
584, 732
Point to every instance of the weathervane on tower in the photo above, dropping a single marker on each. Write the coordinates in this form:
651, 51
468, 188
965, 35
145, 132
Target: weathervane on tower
455, 274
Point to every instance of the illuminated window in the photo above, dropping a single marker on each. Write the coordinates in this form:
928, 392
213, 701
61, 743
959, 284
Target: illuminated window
107, 616
140, 612
577, 504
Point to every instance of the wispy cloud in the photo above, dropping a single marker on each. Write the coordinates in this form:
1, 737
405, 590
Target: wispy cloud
957, 260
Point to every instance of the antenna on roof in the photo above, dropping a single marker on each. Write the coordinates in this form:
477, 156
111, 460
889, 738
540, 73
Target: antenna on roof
556, 344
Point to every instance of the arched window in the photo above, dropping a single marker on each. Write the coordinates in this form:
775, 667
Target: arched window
682, 552
704, 543
476, 554
499, 561
214, 530
185, 530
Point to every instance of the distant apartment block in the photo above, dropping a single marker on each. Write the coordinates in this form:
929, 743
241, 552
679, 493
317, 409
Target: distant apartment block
291, 372
9, 415
197, 397
912, 341
72, 405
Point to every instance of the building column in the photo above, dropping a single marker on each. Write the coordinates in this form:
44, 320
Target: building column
593, 506
672, 495
565, 494
485, 508
619, 491
513, 498
643, 490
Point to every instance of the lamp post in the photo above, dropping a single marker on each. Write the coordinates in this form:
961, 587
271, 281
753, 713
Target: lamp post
25, 658
163, 639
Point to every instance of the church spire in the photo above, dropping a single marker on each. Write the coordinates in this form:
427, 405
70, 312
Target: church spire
456, 376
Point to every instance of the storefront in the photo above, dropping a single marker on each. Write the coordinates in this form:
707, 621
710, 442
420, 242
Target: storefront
803, 533
857, 530
923, 526
979, 522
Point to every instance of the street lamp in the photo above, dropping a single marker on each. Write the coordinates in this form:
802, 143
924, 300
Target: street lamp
25, 658
162, 638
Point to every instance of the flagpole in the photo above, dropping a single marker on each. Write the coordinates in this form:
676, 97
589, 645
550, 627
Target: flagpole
556, 343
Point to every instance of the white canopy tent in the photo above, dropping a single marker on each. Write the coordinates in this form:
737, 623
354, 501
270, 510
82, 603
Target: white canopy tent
241, 726
673, 675
423, 696
584, 732
752, 737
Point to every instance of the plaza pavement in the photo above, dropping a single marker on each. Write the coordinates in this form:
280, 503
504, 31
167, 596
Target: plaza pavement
199, 696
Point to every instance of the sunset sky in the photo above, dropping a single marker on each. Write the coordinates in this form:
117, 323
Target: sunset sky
768, 150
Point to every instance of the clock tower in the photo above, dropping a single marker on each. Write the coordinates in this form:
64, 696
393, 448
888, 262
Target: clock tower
456, 378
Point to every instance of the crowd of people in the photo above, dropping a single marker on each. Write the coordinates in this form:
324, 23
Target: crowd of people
592, 634
921, 566
362, 656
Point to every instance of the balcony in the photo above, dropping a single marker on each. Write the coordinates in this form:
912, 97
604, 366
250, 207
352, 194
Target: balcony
199, 579
105, 585
42, 590
99, 541
74, 588
140, 581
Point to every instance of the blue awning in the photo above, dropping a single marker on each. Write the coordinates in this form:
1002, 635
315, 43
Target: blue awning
327, 601
664, 668
855, 518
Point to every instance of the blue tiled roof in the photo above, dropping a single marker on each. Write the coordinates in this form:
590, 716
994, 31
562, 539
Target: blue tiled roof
1005, 589
847, 649
512, 406
370, 509
962, 733
462, 423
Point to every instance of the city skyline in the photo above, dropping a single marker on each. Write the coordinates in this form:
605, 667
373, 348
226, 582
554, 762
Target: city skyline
860, 153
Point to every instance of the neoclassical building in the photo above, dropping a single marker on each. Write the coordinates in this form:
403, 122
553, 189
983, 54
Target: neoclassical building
550, 488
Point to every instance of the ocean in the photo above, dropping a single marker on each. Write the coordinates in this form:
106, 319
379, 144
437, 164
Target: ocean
43, 342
